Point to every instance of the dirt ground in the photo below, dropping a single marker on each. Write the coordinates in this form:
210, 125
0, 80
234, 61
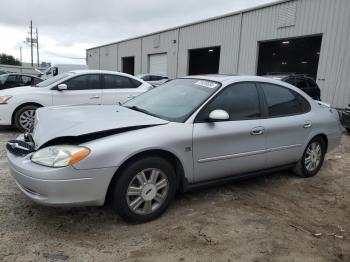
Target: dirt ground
273, 218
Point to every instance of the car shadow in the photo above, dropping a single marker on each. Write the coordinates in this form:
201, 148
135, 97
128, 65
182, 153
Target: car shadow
8, 129
88, 219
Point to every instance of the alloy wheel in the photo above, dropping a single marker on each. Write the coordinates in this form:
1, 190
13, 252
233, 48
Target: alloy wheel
147, 191
27, 118
313, 156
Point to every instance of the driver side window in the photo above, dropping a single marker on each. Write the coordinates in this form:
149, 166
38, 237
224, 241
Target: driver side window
240, 101
84, 82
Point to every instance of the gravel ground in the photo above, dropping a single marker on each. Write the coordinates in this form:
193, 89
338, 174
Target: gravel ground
273, 218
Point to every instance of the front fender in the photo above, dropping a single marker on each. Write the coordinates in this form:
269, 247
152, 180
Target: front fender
114, 150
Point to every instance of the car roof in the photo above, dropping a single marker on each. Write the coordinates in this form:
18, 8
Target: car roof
282, 76
19, 74
278, 77
230, 78
93, 71
211, 77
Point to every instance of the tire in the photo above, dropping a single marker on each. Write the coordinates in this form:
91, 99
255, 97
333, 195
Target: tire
308, 168
348, 129
139, 198
24, 118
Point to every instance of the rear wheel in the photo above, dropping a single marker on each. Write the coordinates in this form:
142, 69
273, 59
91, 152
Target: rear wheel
24, 118
144, 189
312, 159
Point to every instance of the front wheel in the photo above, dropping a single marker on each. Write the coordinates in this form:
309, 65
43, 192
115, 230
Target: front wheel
312, 159
24, 118
144, 189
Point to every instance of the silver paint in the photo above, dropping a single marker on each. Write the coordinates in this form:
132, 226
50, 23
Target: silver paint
219, 149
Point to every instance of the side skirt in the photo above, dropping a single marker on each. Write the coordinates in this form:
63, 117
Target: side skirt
229, 179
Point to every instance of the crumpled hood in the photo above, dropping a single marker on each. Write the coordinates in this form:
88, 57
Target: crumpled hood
70, 121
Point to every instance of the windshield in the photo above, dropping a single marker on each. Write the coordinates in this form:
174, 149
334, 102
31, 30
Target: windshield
175, 100
52, 80
3, 79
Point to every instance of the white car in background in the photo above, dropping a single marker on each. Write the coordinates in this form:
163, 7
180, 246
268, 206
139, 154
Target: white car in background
18, 105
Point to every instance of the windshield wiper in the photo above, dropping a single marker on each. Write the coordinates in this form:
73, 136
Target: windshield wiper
136, 108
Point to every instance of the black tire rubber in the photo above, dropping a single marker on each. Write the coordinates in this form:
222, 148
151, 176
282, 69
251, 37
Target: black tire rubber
119, 202
300, 169
18, 113
348, 129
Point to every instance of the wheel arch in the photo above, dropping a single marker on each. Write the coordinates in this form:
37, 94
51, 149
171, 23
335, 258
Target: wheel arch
167, 155
23, 105
324, 138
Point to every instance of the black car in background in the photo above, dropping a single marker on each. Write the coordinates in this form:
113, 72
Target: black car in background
303, 82
14, 80
345, 118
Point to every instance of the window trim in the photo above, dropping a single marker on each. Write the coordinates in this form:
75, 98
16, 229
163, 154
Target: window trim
289, 89
207, 102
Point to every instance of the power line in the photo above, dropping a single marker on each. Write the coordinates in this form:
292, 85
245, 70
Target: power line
62, 56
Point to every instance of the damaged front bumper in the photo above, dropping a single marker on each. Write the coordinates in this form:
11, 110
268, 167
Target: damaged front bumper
65, 186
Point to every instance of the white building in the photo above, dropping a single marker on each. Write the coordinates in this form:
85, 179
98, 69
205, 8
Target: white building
289, 36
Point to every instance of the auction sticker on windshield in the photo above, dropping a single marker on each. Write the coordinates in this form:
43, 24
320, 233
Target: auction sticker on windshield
206, 84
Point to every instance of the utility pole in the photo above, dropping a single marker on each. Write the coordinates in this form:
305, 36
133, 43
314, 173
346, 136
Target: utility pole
37, 46
31, 41
20, 56
20, 53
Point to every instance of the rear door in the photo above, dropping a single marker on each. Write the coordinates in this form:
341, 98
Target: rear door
229, 147
118, 89
24, 80
82, 89
287, 124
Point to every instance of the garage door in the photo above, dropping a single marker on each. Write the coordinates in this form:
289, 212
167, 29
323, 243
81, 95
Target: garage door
158, 64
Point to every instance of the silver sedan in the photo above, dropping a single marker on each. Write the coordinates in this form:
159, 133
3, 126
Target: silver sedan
187, 133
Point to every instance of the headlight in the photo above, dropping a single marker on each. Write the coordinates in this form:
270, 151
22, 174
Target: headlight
60, 156
4, 99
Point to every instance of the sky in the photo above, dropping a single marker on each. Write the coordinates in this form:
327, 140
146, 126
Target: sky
68, 27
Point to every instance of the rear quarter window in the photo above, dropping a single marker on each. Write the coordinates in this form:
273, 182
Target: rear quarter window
282, 101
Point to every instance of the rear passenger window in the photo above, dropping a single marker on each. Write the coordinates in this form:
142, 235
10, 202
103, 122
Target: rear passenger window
117, 82
36, 81
282, 101
240, 101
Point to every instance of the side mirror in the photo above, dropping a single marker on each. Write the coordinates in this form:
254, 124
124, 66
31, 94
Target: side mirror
218, 115
62, 87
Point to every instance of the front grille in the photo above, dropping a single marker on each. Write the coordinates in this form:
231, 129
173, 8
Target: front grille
19, 147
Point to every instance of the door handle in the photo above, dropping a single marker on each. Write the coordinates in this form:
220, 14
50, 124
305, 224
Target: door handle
307, 124
132, 96
94, 97
257, 131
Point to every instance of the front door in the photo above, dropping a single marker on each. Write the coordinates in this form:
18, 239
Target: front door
229, 147
81, 90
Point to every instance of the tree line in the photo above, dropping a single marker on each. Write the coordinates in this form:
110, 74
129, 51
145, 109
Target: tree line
9, 60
